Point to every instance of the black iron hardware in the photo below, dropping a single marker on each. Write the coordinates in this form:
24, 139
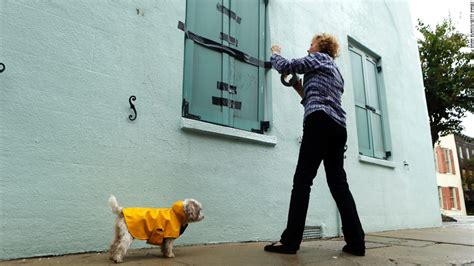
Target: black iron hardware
213, 45
370, 108
229, 13
226, 102
264, 126
2, 67
291, 82
406, 165
185, 111
229, 39
387, 154
226, 87
132, 106
379, 68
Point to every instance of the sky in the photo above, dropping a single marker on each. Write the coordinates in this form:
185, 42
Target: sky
432, 12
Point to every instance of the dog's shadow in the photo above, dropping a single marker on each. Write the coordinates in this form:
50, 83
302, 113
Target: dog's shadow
144, 256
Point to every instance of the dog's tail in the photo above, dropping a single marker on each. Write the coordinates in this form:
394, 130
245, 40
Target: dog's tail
114, 205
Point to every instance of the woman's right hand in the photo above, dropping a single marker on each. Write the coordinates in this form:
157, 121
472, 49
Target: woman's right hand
298, 85
299, 88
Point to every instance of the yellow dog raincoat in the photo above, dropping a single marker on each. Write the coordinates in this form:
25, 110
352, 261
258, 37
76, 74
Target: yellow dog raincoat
154, 224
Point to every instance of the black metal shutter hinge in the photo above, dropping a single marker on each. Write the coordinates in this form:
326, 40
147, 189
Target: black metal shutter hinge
264, 126
185, 111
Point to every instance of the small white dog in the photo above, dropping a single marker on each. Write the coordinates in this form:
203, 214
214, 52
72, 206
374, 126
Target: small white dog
159, 226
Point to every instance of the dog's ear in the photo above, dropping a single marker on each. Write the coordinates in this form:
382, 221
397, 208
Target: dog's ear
193, 210
190, 209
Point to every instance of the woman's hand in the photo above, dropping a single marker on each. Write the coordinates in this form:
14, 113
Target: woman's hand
276, 49
299, 88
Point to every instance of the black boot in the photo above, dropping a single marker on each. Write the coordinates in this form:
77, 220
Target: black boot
284, 249
354, 250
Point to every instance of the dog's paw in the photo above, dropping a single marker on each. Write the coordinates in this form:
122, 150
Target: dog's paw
117, 260
168, 255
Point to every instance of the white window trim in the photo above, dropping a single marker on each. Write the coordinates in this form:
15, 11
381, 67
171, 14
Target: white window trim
452, 192
440, 197
448, 162
381, 162
213, 129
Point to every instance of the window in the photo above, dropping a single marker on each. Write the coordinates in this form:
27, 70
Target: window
371, 118
222, 87
447, 160
460, 152
467, 154
452, 197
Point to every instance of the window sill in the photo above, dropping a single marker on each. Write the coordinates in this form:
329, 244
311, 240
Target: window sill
198, 126
380, 162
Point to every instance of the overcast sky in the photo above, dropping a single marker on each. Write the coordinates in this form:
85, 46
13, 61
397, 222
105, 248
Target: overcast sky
432, 12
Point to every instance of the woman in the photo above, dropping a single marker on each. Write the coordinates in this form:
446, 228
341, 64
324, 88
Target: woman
324, 139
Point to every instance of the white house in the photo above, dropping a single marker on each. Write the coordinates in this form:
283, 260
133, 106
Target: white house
448, 176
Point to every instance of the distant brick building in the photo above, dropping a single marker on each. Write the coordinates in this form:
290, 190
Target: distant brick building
465, 152
471, 36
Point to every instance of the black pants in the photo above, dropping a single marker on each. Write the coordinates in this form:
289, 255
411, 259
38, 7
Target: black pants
323, 140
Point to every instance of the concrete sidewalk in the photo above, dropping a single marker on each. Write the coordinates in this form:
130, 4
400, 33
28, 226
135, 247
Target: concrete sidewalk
453, 243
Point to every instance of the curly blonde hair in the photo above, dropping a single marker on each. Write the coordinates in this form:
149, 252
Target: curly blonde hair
328, 44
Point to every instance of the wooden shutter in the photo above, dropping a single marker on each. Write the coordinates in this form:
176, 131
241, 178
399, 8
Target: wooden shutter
203, 66
452, 162
362, 115
375, 114
441, 161
458, 201
446, 198
439, 158
249, 34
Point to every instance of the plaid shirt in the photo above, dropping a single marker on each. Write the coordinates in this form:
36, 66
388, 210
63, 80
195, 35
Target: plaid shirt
323, 83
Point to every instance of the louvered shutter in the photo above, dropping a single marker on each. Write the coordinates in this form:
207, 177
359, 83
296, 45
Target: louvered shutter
458, 201
446, 198
248, 79
451, 157
362, 120
203, 66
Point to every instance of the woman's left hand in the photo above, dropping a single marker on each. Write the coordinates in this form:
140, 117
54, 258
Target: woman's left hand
276, 49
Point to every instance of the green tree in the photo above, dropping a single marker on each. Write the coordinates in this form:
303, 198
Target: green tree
447, 75
470, 163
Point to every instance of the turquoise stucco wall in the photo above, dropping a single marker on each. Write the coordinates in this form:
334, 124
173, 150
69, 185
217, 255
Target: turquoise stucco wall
67, 144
